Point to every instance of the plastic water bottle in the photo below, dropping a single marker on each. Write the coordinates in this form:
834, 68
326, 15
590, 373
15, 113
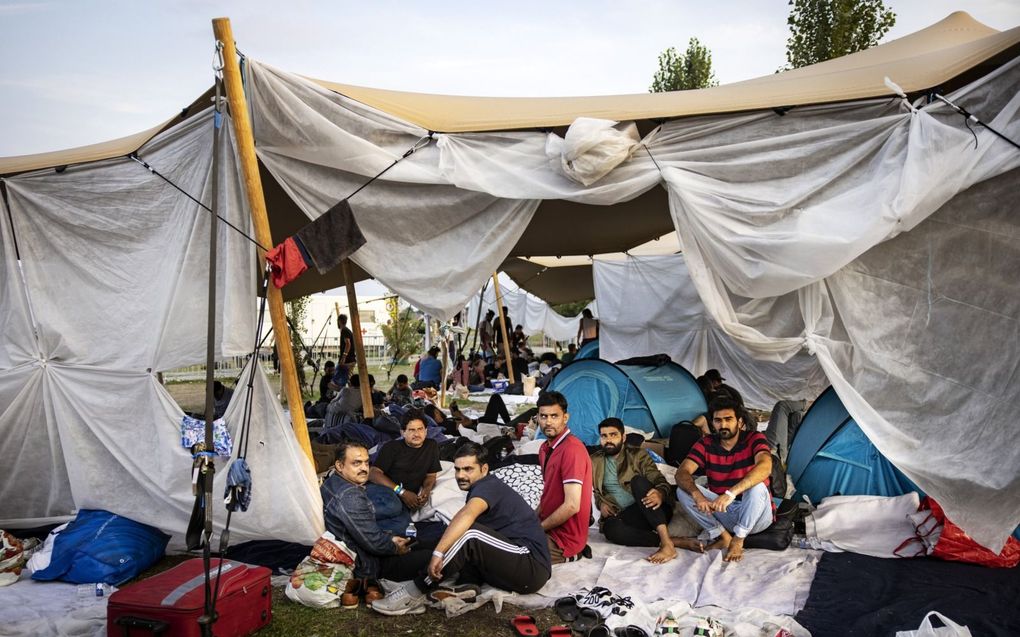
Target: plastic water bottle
801, 542
92, 593
411, 532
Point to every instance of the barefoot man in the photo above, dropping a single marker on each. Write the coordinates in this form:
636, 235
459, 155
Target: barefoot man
634, 500
737, 463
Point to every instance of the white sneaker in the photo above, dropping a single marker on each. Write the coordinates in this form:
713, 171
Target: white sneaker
406, 600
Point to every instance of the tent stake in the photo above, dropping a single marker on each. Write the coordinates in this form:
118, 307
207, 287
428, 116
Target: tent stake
260, 219
502, 325
359, 345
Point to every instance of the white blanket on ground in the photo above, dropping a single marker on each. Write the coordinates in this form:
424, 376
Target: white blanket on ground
42, 609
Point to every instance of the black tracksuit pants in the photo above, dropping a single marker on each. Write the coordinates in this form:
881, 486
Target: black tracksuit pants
483, 556
635, 525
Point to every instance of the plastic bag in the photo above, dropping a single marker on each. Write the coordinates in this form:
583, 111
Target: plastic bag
592, 148
950, 629
319, 580
955, 545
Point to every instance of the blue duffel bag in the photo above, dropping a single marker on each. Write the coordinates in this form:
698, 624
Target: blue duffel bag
98, 546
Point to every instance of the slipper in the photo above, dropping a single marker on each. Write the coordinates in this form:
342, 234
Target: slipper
566, 608
630, 631
600, 631
586, 620
558, 631
524, 625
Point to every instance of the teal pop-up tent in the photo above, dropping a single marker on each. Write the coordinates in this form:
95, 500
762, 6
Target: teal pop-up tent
648, 398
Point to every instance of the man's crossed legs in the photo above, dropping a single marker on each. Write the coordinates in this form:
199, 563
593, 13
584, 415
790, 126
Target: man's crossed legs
728, 529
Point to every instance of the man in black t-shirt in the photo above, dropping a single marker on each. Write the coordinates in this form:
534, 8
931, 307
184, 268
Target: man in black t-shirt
404, 473
494, 539
347, 355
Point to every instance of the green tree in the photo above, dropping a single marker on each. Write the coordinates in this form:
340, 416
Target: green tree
297, 310
403, 337
683, 71
570, 310
824, 29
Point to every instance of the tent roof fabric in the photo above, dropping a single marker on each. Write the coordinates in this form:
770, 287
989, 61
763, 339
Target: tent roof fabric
925, 59
916, 62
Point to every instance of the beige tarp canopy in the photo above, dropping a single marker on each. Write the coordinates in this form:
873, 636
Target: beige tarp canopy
944, 55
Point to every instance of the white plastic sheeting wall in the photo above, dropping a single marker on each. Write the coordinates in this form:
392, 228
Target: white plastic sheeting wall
650, 305
116, 266
525, 309
770, 209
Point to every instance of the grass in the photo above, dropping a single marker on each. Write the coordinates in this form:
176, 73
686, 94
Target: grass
290, 618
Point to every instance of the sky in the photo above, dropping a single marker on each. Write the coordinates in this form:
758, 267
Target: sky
76, 72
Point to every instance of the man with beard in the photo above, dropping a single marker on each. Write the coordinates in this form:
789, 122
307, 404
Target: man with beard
633, 497
565, 507
494, 539
349, 516
737, 463
404, 474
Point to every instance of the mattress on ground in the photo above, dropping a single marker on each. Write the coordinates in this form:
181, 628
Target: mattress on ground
861, 595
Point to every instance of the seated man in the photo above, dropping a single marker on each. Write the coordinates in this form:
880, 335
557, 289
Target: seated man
349, 516
325, 392
400, 393
221, 398
565, 507
430, 371
633, 497
378, 396
738, 465
571, 353
404, 474
347, 402
494, 539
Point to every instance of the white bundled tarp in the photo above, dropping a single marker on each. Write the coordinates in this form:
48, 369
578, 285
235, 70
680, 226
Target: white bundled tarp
649, 305
776, 215
116, 266
526, 309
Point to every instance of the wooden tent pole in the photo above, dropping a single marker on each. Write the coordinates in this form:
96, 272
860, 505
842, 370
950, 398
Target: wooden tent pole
260, 219
442, 374
359, 346
502, 325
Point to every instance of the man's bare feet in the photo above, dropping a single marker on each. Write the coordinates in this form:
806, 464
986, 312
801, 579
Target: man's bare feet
663, 555
688, 543
721, 542
735, 550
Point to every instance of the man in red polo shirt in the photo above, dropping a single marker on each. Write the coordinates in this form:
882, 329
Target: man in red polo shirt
737, 463
565, 508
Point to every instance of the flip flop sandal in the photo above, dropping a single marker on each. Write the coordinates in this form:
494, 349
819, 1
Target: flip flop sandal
566, 608
586, 620
630, 631
524, 625
558, 631
600, 631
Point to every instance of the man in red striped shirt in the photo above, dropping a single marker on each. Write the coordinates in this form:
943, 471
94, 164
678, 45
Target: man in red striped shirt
737, 463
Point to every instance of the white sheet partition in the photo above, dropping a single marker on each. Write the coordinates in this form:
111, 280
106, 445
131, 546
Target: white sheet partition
525, 309
774, 214
649, 305
116, 263
428, 241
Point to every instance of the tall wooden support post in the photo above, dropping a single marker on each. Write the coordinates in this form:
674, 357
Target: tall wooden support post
260, 219
502, 326
359, 344
442, 374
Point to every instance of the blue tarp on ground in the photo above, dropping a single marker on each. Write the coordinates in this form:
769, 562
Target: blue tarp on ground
830, 455
650, 399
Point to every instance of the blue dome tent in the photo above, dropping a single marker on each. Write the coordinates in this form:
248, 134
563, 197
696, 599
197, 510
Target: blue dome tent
647, 398
830, 455
588, 350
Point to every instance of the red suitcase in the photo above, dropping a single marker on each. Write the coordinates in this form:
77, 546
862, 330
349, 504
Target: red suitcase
169, 604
